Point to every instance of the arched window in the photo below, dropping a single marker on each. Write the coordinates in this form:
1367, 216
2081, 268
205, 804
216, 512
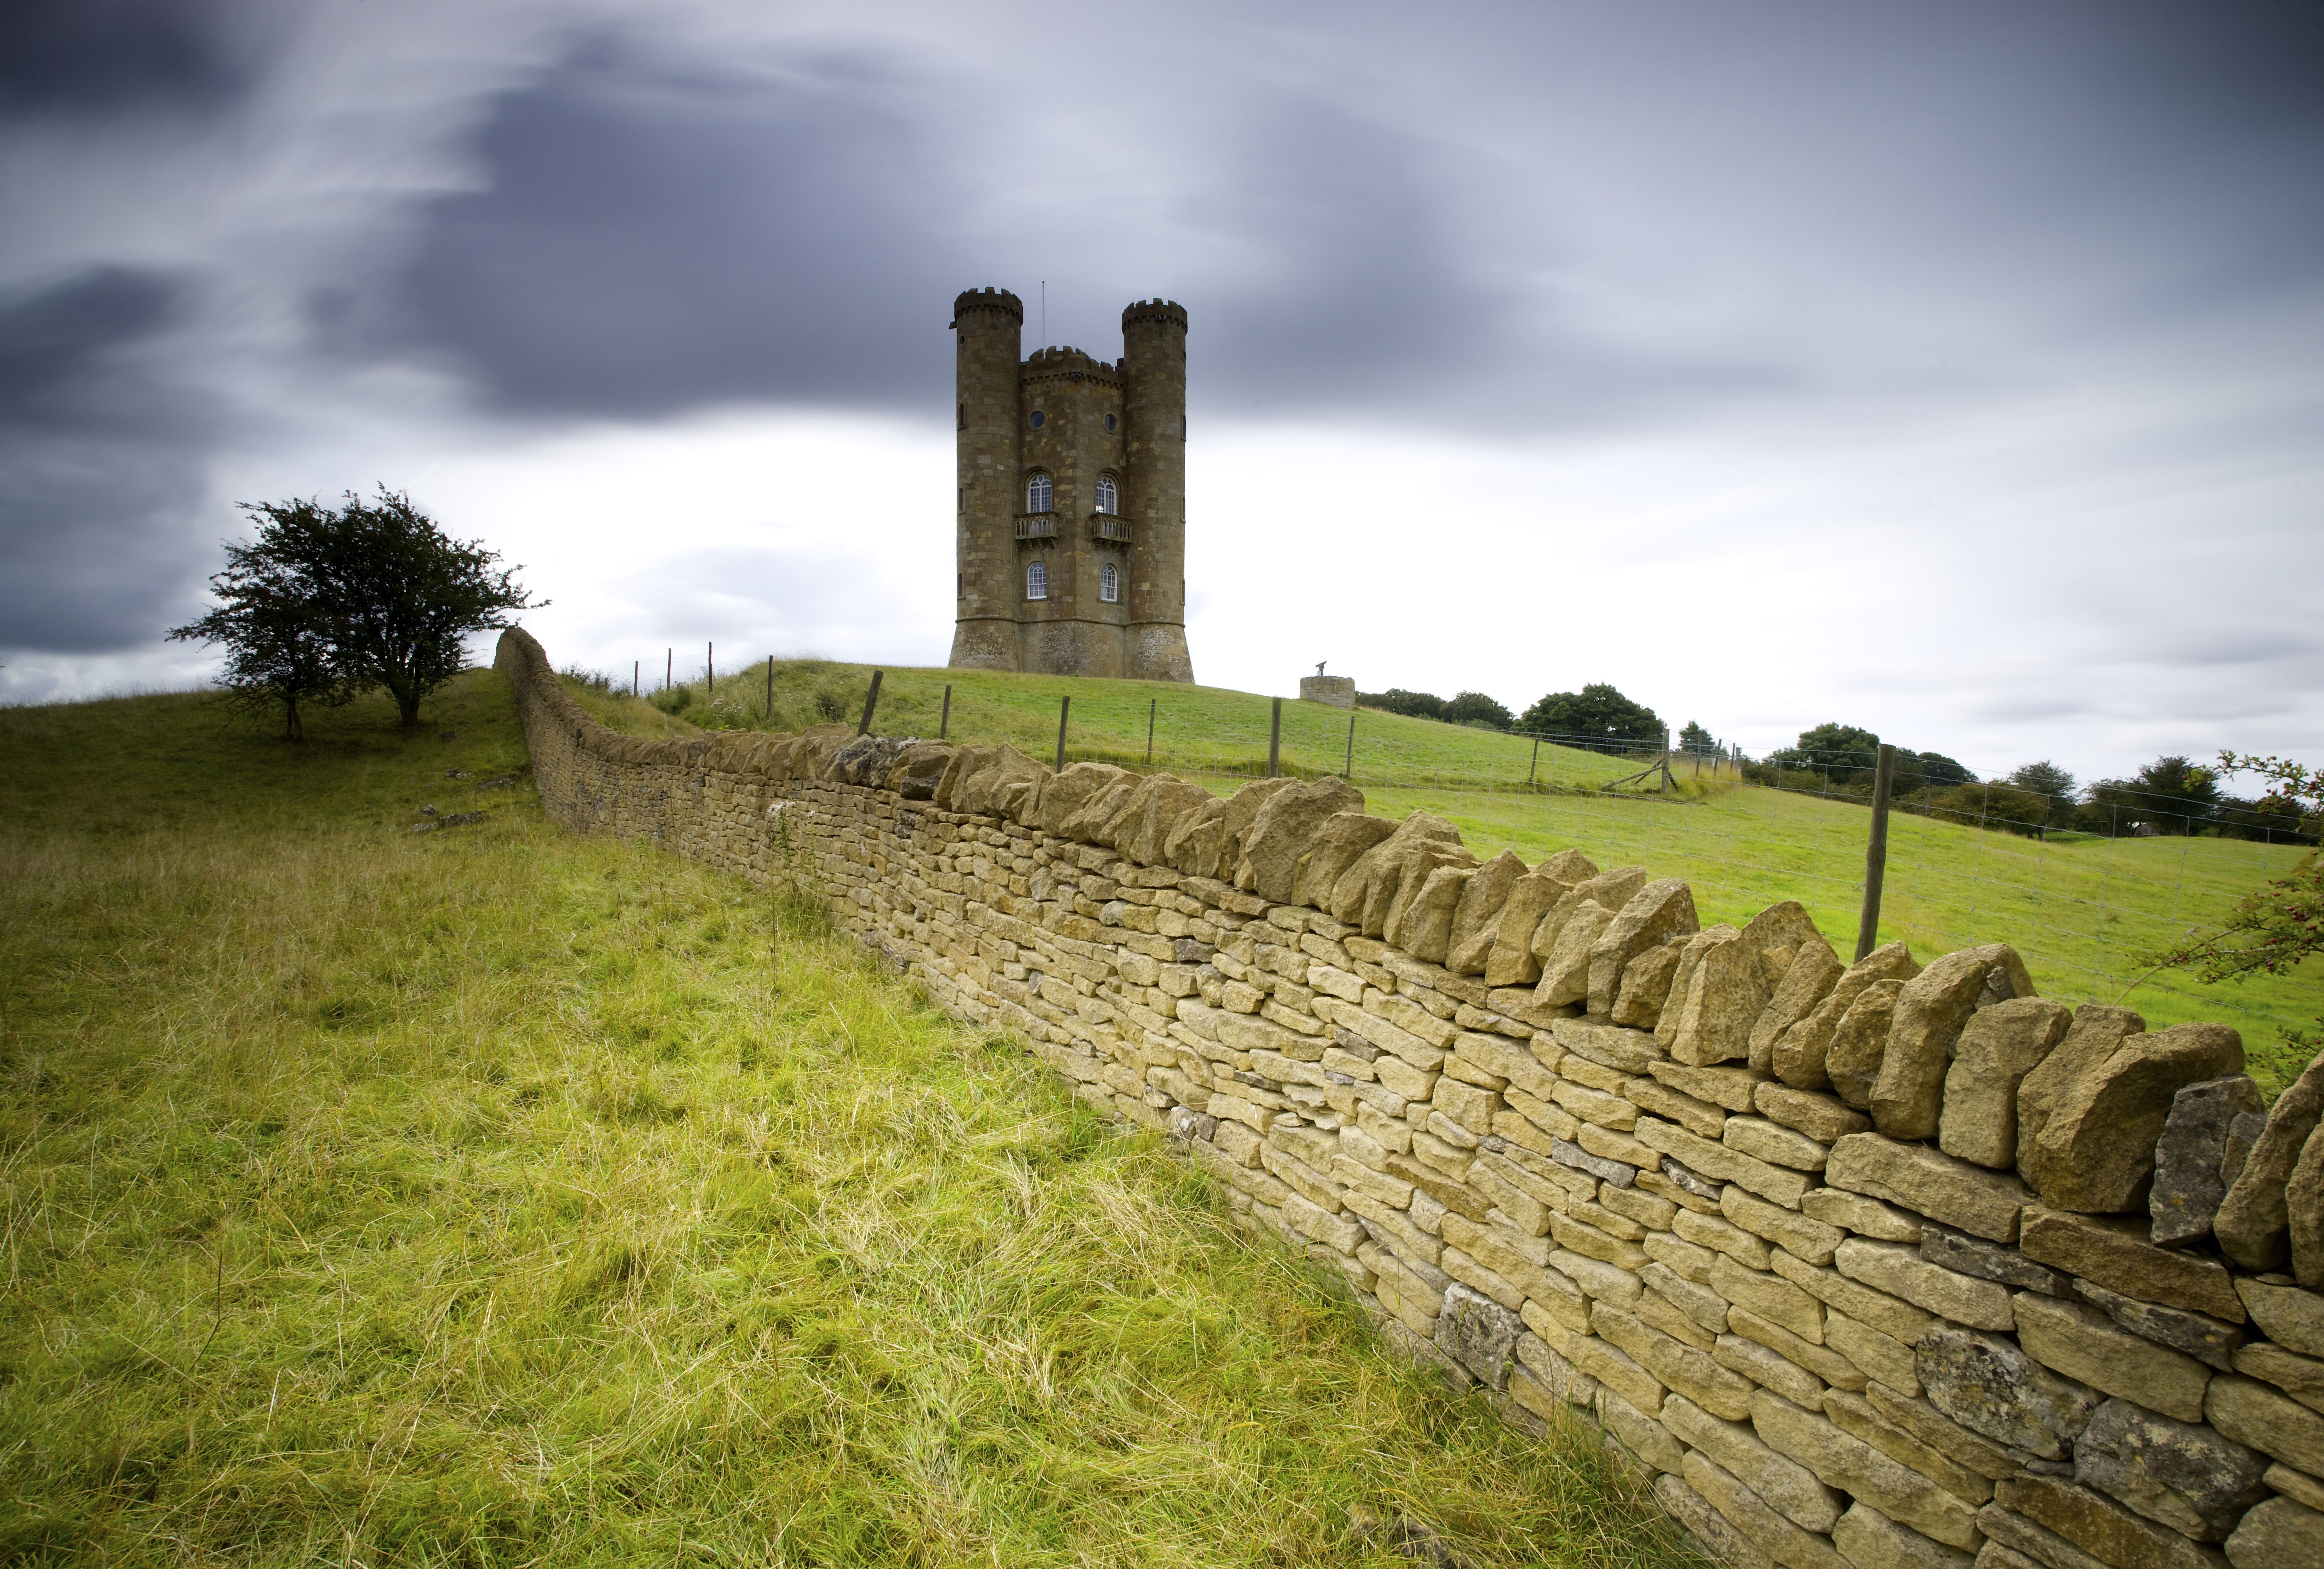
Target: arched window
1037, 494
1037, 580
1108, 499
1109, 584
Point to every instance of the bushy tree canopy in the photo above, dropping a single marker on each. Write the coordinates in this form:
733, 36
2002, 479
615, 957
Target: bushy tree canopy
1396, 700
2171, 795
1597, 711
1694, 739
1476, 708
2044, 779
1843, 751
277, 634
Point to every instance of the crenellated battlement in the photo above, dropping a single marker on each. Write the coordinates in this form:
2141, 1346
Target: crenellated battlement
1157, 312
988, 299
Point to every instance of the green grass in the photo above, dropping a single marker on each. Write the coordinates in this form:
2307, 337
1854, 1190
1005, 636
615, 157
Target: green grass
2080, 910
492, 1195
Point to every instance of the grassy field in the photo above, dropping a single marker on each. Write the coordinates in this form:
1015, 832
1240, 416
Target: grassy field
2082, 911
494, 1196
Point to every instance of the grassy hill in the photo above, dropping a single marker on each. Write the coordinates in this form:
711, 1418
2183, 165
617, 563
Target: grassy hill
490, 1196
2080, 910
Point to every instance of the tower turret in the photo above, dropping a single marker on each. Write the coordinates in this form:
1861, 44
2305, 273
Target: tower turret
988, 326
1154, 466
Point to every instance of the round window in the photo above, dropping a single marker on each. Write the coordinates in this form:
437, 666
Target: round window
1039, 418
1110, 421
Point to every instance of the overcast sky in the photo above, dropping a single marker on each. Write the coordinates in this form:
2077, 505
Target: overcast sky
1952, 370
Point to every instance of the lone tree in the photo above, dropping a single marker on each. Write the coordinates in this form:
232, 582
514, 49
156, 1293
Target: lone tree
1844, 752
1697, 741
1476, 708
1597, 711
278, 636
330, 600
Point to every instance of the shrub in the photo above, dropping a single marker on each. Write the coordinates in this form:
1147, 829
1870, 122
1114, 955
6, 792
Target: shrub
1474, 708
1597, 711
673, 699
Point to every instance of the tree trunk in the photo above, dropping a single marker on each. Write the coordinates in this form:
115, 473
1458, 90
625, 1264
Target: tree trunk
292, 729
408, 708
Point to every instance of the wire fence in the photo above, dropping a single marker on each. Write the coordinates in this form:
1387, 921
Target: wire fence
1966, 863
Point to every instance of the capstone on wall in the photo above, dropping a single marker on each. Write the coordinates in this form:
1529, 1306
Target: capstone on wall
1877, 1265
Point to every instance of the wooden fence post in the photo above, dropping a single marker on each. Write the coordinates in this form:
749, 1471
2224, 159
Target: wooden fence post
870, 701
1275, 742
1875, 853
1064, 707
944, 723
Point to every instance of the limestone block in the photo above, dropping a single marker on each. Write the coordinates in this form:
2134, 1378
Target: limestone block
1821, 1117
2260, 1418
1770, 1367
1855, 1415
1969, 1198
1479, 1334
2289, 1316
1883, 1358
1167, 803
2280, 1534
1647, 986
1813, 972
1728, 990
1801, 1235
1768, 1296
1718, 1537
1845, 1461
1476, 922
1867, 1217
1690, 959
1675, 1105
1734, 1088
1868, 1539
1991, 1385
1198, 840
1079, 802
2200, 1335
1660, 912
1972, 1452
1998, 1047
2014, 1542
1628, 1051
2100, 1526
2189, 1186
2096, 1152
1756, 1519
2114, 1251
1908, 1097
1776, 1183
2182, 1474
1565, 966
1901, 1271
1283, 830
1774, 1143
1337, 845
2303, 1203
2095, 1032
1683, 1368
2086, 1345
1532, 897
1424, 927
1859, 1041
1790, 1488
2302, 1486
2253, 1225
1800, 1052
1967, 1255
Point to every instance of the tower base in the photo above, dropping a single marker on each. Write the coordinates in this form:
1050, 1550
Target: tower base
1158, 652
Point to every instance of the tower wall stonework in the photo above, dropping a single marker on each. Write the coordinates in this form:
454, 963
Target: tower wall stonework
1077, 421
1888, 1266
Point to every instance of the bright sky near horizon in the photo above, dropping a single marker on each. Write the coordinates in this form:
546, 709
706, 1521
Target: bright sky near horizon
1956, 372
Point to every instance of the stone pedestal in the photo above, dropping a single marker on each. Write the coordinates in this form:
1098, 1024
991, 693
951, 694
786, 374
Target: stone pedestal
1339, 691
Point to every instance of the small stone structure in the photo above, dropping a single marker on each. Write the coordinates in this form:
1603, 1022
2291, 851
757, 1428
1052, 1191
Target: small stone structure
1864, 1262
1070, 531
1339, 691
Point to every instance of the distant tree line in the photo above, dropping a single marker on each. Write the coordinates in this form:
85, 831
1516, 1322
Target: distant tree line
328, 601
2171, 795
1596, 712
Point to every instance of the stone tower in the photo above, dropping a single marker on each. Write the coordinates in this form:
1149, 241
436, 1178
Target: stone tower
1071, 528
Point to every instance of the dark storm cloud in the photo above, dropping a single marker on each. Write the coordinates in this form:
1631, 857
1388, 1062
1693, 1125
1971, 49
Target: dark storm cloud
103, 57
653, 239
101, 459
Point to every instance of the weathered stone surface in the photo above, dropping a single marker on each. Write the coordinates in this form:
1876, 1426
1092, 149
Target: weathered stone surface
1731, 1087
1658, 913
1813, 972
1690, 959
1998, 1047
2180, 1473
1080, 801
1162, 803
1854, 1414
1756, 1519
1901, 1271
2260, 1417
1990, 1386
1821, 1117
1646, 986
1720, 1540
1630, 1051
1423, 926
1971, 1451
1801, 1235
1783, 1483
1969, 1198
1728, 992
2100, 1526
1642, 1434
1777, 934
1283, 829
1859, 1041
2096, 1153
2114, 1251
2014, 1542
2198, 1334
2085, 1344
1565, 967
1967, 1255
1369, 890
1198, 842
2188, 1158
2302, 1486
1867, 1217
1512, 960
2253, 1225
1477, 922
2095, 1032
2280, 1534
1842, 1461
1338, 844
1868, 1539
1774, 1183
2303, 1203
1930, 1012
1479, 1334
2287, 1315
1800, 1051
1606, 889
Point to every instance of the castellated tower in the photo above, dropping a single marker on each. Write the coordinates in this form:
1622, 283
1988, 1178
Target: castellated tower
1071, 528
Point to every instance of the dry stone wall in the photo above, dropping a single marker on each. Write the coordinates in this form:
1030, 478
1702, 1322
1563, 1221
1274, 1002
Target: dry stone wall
1878, 1265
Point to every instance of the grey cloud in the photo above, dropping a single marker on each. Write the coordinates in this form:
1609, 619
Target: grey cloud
91, 57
